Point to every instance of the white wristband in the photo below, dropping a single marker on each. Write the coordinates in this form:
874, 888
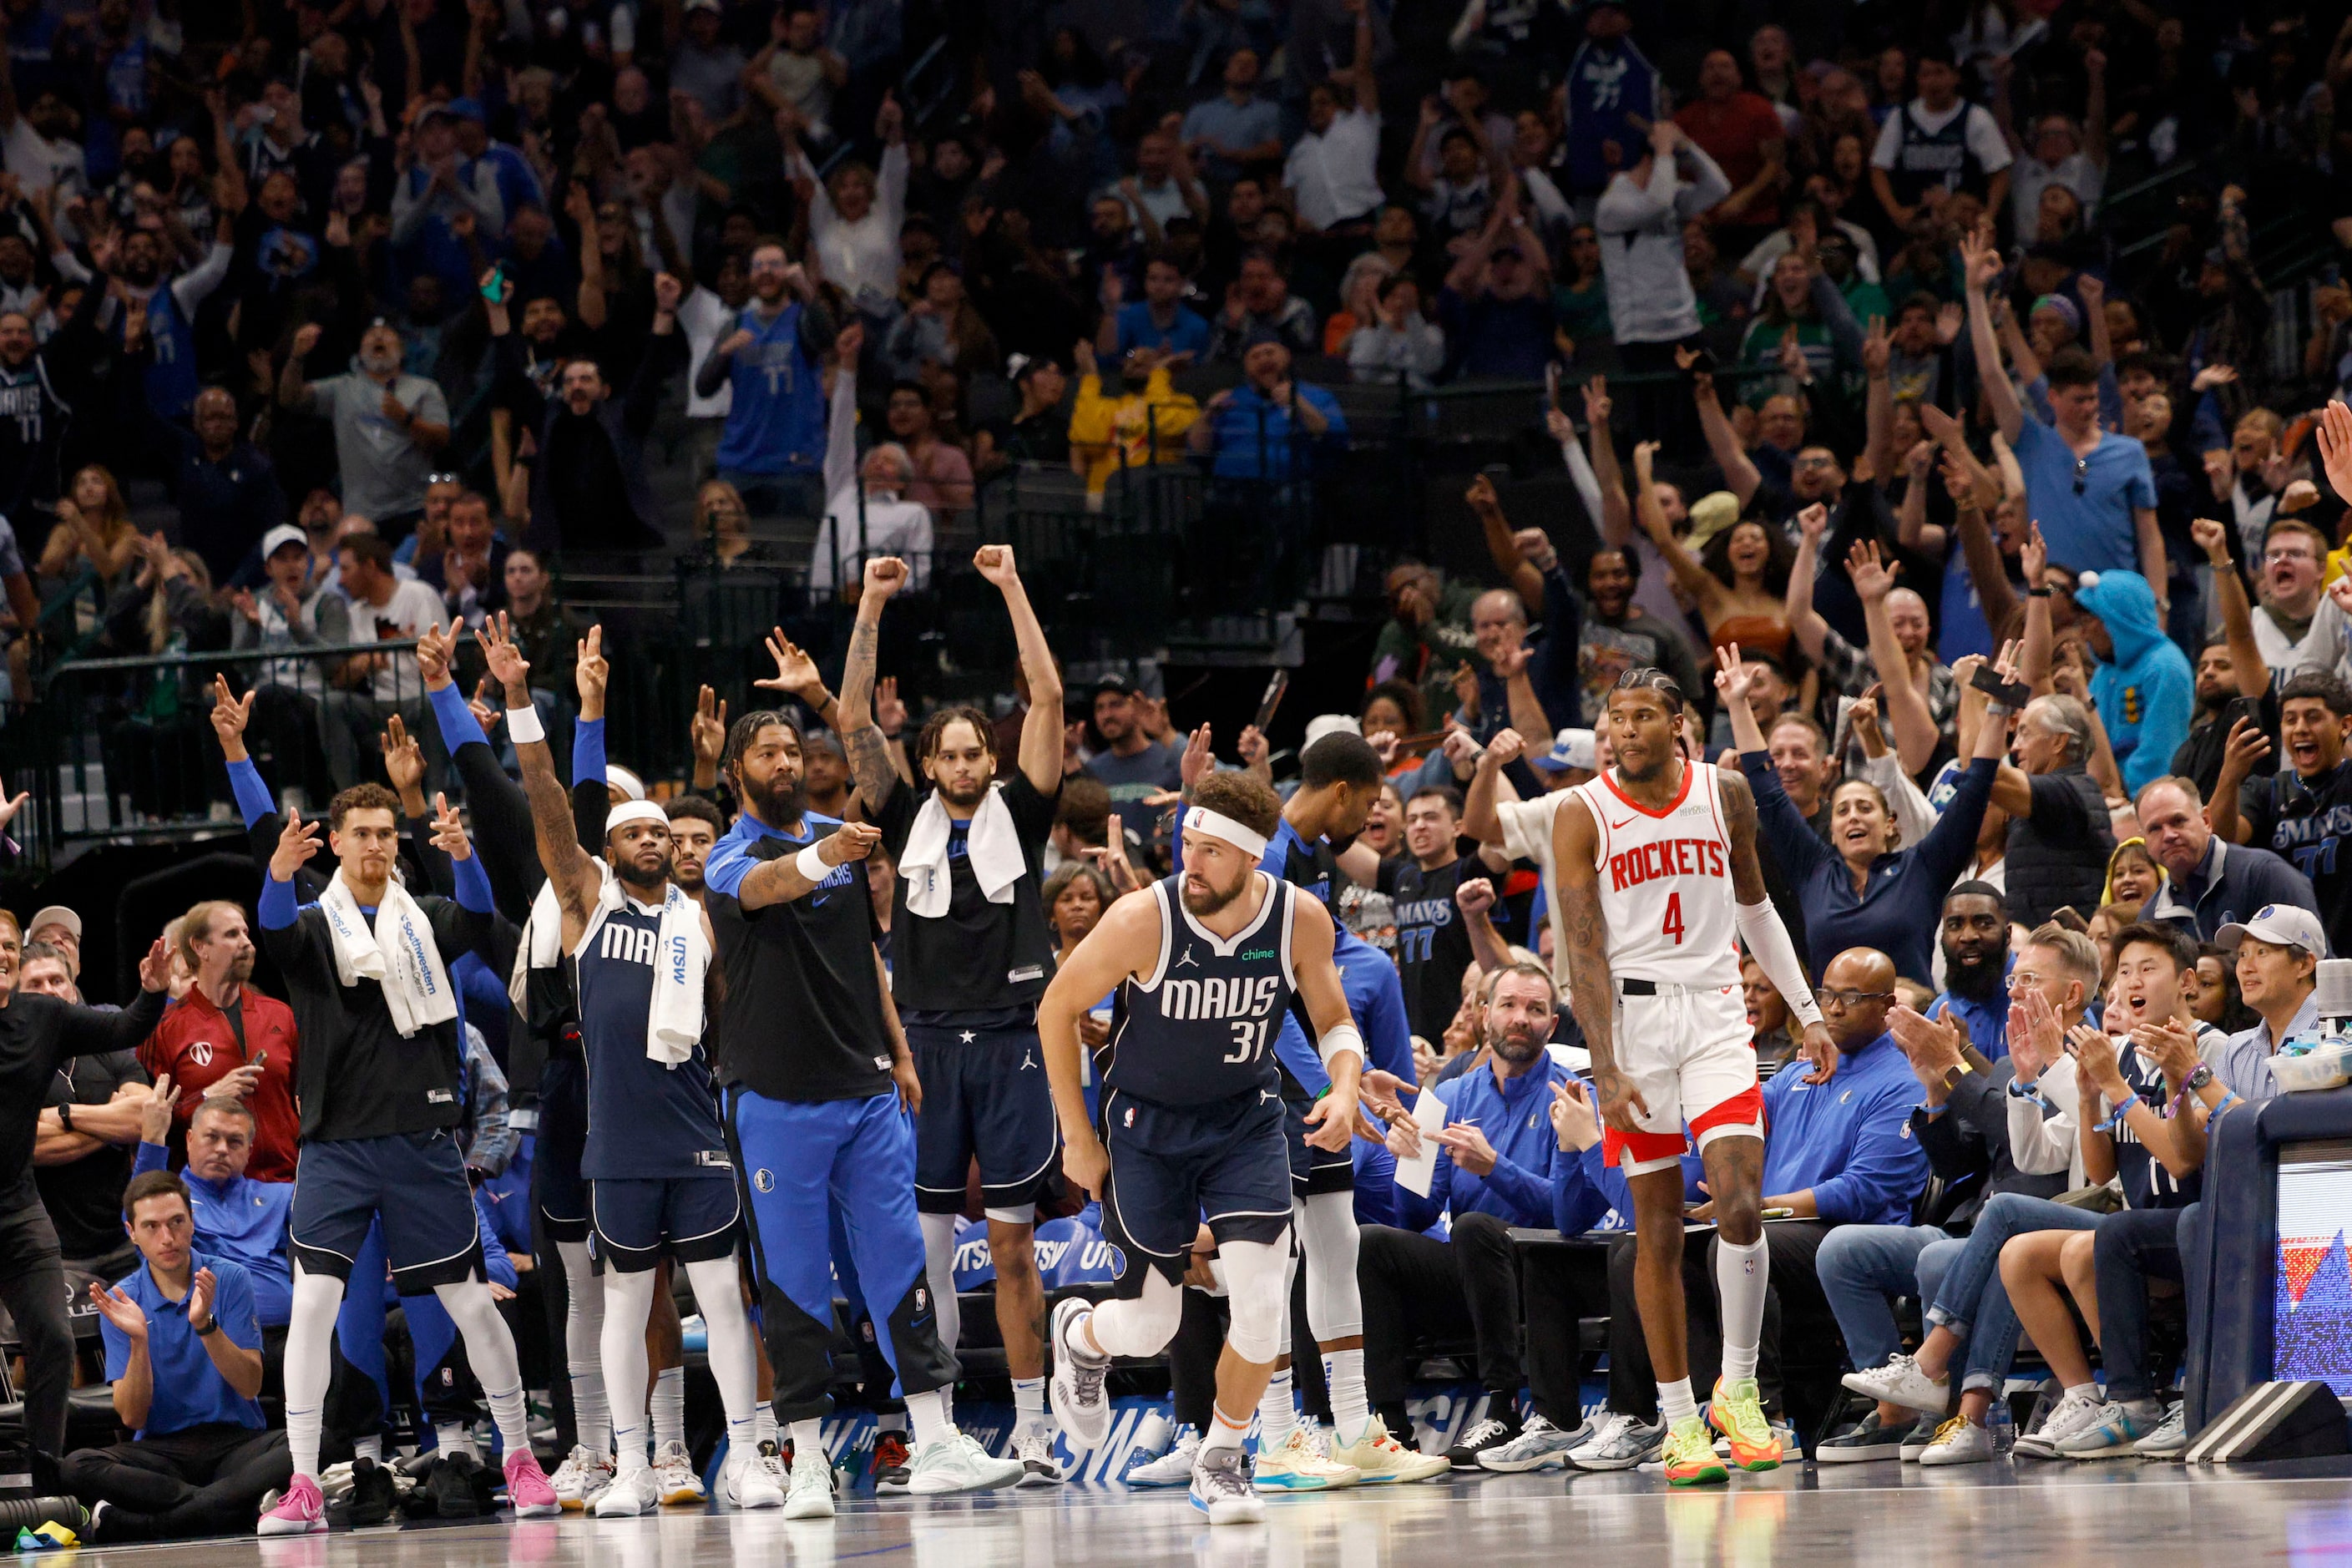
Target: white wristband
523, 727
1344, 1037
812, 864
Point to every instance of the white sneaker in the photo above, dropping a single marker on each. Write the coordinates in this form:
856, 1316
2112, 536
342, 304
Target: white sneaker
1960, 1442
674, 1468
1540, 1446
958, 1463
1900, 1382
746, 1483
2071, 1417
812, 1485
1380, 1458
1035, 1449
1297, 1464
1222, 1489
632, 1493
1077, 1390
582, 1475
1172, 1469
1620, 1443
771, 1459
2171, 1437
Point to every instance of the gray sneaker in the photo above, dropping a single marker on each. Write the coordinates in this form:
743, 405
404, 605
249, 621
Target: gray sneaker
1221, 1489
1540, 1446
1620, 1443
2068, 1419
2171, 1437
1075, 1392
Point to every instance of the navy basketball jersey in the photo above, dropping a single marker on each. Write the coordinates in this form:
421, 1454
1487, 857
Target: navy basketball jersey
1202, 1025
645, 1118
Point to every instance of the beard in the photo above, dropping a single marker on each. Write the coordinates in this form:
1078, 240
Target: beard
1977, 982
779, 799
379, 365
969, 797
687, 878
636, 875
1516, 1043
1214, 901
241, 970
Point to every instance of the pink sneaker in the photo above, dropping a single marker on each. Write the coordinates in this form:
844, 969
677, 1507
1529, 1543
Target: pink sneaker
301, 1512
527, 1491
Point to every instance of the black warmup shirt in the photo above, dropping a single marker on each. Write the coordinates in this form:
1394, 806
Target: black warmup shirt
1433, 942
84, 1197
979, 958
38, 1035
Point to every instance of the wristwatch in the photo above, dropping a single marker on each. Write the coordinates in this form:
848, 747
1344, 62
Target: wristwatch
65, 1116
2199, 1079
1957, 1071
208, 1331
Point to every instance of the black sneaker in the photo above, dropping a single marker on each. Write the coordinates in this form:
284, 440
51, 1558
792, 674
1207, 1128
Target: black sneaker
1491, 1433
451, 1486
109, 1525
1872, 1440
892, 1459
373, 1497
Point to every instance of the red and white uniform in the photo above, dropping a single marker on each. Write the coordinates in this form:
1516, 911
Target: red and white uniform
1671, 914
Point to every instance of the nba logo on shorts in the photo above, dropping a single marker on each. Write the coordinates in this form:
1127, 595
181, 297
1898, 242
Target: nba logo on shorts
923, 1300
764, 1179
1130, 1116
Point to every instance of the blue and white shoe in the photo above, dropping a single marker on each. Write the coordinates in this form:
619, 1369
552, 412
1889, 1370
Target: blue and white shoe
2116, 1433
1172, 1469
1540, 1446
1297, 1465
1221, 1489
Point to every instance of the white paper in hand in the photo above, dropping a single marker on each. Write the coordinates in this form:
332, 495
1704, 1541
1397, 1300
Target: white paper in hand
1428, 1114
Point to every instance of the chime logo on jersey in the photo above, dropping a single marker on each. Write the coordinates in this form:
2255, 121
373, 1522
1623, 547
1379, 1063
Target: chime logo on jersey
1239, 997
1667, 857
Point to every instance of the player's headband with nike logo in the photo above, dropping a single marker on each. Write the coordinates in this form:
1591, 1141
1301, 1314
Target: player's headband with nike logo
1217, 824
630, 811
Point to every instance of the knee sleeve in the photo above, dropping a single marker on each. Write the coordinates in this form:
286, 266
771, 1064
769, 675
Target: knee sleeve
1143, 1326
1328, 1236
939, 1271
1257, 1276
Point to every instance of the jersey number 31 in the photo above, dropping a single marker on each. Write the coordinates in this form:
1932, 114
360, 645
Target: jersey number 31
1249, 1040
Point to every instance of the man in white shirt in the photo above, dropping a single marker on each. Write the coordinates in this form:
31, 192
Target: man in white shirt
371, 687
1938, 143
2057, 152
1164, 186
1640, 217
1331, 171
854, 533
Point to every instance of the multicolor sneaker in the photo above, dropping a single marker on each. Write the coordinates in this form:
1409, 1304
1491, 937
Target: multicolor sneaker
1380, 1458
1690, 1455
1172, 1469
2117, 1431
1959, 1441
1540, 1446
1075, 1392
674, 1470
1620, 1443
1220, 1487
527, 1491
1297, 1465
894, 1457
1491, 1433
581, 1476
1736, 1410
301, 1512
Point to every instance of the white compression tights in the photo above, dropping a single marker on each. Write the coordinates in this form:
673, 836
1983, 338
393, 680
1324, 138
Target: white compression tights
733, 1366
583, 1328
1328, 1235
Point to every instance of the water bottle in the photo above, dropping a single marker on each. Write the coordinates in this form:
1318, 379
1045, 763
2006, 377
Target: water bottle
2000, 1424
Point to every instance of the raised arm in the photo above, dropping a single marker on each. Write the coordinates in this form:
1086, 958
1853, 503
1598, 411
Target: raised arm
1041, 729
1812, 631
1739, 473
1525, 580
1981, 264
1694, 578
568, 866
1616, 518
1916, 734
868, 749
2253, 675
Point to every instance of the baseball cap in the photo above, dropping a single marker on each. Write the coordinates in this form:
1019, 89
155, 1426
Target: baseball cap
1324, 724
284, 534
1569, 749
2281, 925
1114, 682
56, 914
469, 109
1710, 515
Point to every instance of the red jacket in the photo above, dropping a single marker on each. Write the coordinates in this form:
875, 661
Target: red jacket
195, 1044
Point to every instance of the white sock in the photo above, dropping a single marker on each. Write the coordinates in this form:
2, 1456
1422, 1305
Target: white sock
1742, 1274
670, 1407
2090, 1390
369, 1449
451, 1438
1278, 1416
1028, 1403
763, 1423
1675, 1405
928, 1412
1351, 1407
808, 1438
1223, 1431
511, 1414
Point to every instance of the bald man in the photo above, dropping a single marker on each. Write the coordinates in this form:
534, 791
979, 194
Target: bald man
1837, 1151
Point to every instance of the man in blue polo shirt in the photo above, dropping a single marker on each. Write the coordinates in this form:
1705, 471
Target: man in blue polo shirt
183, 1353
1836, 1152
236, 1217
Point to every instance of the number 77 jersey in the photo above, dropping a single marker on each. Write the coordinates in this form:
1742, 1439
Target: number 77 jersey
1200, 1026
1665, 878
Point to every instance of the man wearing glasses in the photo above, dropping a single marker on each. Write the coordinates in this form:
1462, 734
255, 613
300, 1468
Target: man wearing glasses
2091, 490
1837, 1151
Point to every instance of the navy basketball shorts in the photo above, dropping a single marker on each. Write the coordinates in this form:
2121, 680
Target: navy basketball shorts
985, 1097
557, 1187
640, 1220
1176, 1167
414, 1181
1313, 1172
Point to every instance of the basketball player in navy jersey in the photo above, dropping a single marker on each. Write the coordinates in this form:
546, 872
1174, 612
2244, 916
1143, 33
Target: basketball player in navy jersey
971, 952
660, 1181
1206, 967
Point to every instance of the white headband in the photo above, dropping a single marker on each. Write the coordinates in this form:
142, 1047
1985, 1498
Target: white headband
627, 783
1216, 824
630, 811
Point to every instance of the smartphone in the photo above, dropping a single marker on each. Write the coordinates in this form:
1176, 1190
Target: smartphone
1275, 689
494, 288
2011, 694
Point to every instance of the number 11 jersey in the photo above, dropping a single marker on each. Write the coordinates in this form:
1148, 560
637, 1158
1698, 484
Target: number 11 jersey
1665, 877
1200, 1026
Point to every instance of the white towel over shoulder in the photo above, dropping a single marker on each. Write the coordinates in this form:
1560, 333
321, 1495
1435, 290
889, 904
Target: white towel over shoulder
681, 958
398, 953
993, 844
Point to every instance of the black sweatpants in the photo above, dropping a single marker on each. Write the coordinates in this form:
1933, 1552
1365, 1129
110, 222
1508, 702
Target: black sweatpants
1414, 1285
207, 1481
33, 1289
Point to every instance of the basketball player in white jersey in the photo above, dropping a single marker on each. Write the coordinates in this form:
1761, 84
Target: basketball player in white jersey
1657, 870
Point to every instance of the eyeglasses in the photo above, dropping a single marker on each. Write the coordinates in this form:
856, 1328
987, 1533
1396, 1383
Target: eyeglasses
2273, 557
1842, 1000
2082, 473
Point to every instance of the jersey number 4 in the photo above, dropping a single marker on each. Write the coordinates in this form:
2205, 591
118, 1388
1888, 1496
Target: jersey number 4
1673, 924
1249, 1040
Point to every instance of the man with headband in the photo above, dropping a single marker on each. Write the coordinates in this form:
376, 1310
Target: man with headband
1205, 967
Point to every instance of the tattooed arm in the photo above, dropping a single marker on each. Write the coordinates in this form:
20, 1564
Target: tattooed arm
869, 751
568, 866
1590, 993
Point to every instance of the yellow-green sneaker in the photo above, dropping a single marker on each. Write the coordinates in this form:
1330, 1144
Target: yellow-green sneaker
1737, 1411
1690, 1455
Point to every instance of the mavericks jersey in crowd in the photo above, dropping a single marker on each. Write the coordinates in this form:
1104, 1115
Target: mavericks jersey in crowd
1433, 944
1200, 1026
778, 423
645, 1118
